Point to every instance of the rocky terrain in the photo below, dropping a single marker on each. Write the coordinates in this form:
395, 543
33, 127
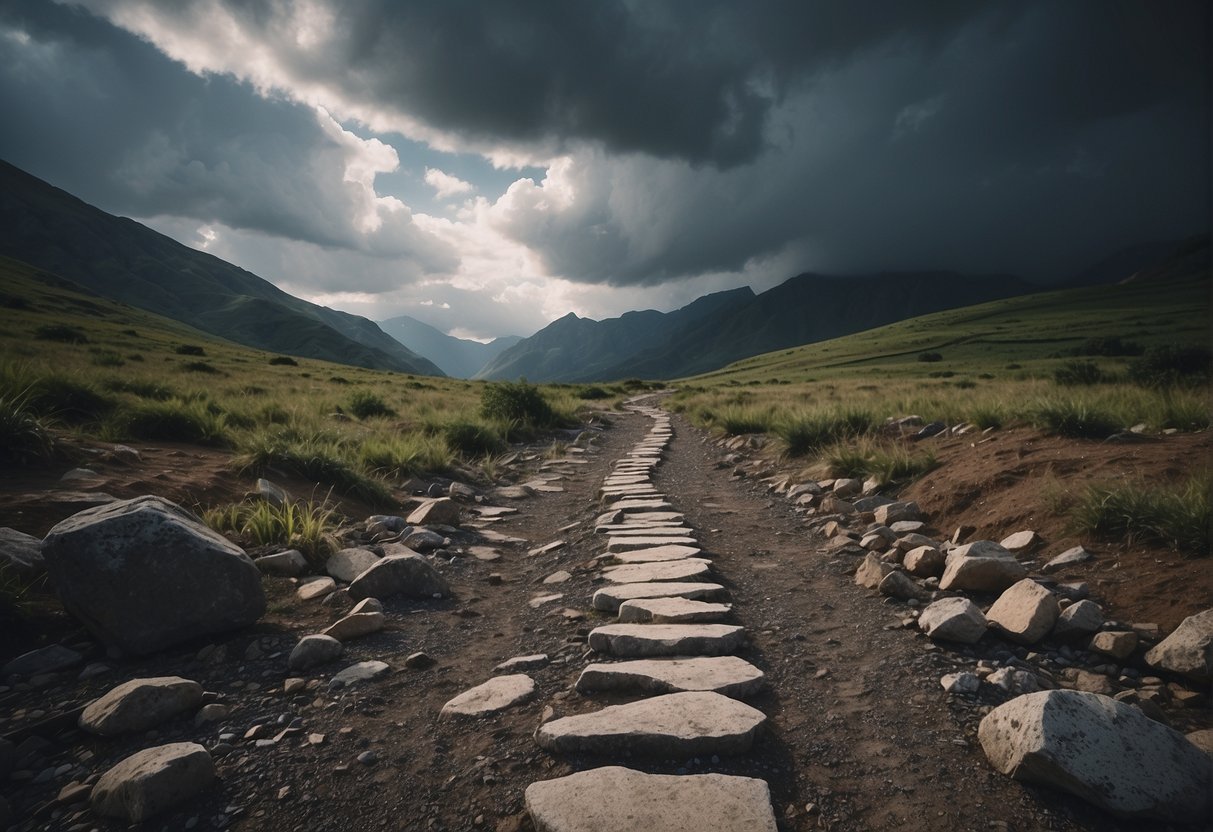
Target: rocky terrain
651, 629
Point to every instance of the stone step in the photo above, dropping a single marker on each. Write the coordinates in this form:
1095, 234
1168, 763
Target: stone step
627, 641
627, 544
650, 531
609, 598
640, 517
726, 675
671, 611
673, 725
657, 553
686, 569
617, 799
496, 694
632, 506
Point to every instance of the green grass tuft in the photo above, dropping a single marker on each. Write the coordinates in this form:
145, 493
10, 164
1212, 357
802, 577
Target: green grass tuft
306, 526
365, 405
1179, 516
808, 431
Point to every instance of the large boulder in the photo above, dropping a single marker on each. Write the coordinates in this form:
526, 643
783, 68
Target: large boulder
152, 780
140, 704
144, 574
407, 575
953, 619
20, 552
981, 574
1188, 650
1105, 752
1025, 613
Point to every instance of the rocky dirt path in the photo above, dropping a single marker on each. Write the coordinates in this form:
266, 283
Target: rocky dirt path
635, 639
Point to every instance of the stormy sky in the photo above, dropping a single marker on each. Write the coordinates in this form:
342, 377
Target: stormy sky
490, 166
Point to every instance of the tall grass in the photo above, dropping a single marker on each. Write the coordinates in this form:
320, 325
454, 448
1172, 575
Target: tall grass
172, 421
306, 526
1180, 516
888, 462
23, 436
808, 431
317, 456
405, 454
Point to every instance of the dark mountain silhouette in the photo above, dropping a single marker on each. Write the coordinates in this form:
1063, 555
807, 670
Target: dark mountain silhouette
457, 357
120, 259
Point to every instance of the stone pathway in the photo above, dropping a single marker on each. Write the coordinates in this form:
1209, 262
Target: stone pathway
659, 585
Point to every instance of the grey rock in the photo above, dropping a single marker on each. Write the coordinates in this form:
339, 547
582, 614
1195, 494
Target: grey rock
1070, 557
656, 553
49, 659
347, 564
140, 704
924, 561
495, 695
1105, 752
892, 513
687, 569
355, 625
144, 574
1015, 681
153, 780
960, 682
273, 494
408, 575
366, 672
642, 640
1078, 620
953, 619
22, 553
440, 512
672, 725
872, 570
979, 549
314, 650
1025, 612
898, 584
523, 663
981, 574
288, 564
1189, 650
614, 799
317, 588
390, 523
609, 598
726, 675
1118, 645
671, 611
873, 502
425, 540
1024, 541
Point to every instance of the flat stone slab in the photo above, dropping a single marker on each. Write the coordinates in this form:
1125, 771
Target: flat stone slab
620, 799
609, 598
649, 531
641, 640
640, 505
726, 675
655, 554
671, 611
627, 544
605, 519
360, 672
673, 725
496, 694
669, 570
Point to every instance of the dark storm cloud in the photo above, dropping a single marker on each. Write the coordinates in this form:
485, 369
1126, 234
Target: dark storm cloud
111, 119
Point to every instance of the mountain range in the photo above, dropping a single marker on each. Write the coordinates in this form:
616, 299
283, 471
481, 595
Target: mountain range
457, 357
728, 326
120, 259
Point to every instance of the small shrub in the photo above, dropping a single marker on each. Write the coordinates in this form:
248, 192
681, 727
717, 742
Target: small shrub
199, 367
189, 349
737, 420
174, 421
930, 357
136, 387
1169, 365
1110, 346
593, 393
55, 396
365, 405
516, 401
62, 333
23, 436
987, 416
400, 456
284, 360
809, 432
1074, 373
1075, 419
318, 457
339, 380
1179, 516
472, 439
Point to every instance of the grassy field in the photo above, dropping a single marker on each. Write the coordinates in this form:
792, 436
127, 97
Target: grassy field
76, 364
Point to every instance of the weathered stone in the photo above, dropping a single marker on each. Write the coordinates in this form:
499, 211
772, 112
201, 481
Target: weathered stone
1189, 650
347, 564
847, 487
727, 675
639, 640
212, 712
1105, 752
672, 725
495, 695
872, 502
21, 553
1087, 682
1068, 558
655, 554
558, 577
896, 512
609, 598
317, 588
153, 780
366, 672
671, 611
523, 663
979, 549
273, 494
872, 571
144, 574
614, 799
898, 584
1118, 645
1025, 612
1024, 541
440, 512
355, 625
953, 619
288, 564
1015, 681
924, 561
314, 650
140, 704
424, 540
627, 544
407, 575
1202, 739
49, 659
1078, 620
981, 574
672, 570
960, 683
